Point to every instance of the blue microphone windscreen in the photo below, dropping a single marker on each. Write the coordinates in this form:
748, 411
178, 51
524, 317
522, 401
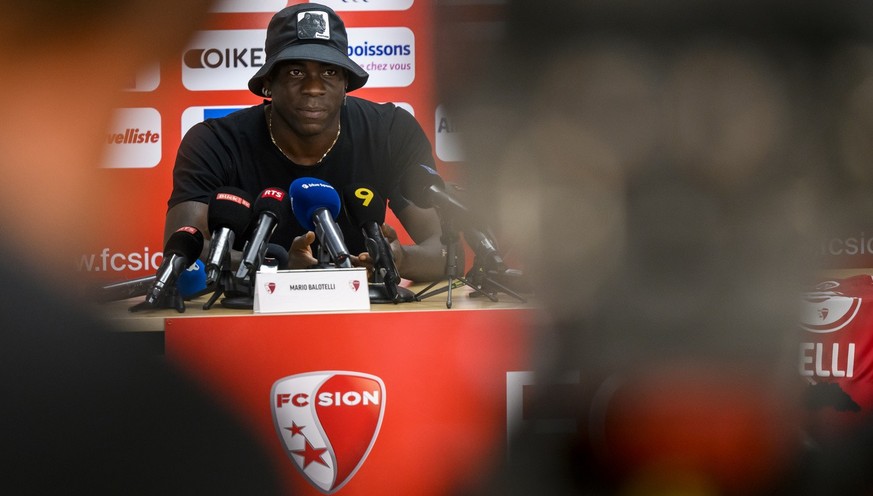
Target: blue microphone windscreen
309, 194
192, 280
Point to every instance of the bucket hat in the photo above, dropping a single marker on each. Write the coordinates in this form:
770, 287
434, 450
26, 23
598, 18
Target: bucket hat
308, 31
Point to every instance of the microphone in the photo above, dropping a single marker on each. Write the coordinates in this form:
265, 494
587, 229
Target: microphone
270, 209
485, 247
278, 254
191, 282
124, 289
425, 188
316, 205
229, 213
366, 209
181, 250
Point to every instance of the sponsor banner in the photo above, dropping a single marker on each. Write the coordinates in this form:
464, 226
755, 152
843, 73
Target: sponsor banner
364, 5
387, 54
227, 59
193, 115
223, 59
109, 260
448, 144
853, 250
133, 139
234, 6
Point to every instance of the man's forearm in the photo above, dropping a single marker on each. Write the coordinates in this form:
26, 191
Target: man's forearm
427, 262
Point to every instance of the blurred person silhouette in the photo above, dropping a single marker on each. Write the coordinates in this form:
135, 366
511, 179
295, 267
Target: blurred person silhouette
668, 168
83, 410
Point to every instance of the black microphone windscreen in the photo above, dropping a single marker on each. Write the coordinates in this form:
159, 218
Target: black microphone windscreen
363, 204
229, 207
417, 180
272, 200
239, 242
186, 242
277, 203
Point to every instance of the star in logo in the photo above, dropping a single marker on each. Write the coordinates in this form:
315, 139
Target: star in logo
310, 454
295, 429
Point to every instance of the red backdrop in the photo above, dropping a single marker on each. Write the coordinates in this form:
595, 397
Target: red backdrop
136, 178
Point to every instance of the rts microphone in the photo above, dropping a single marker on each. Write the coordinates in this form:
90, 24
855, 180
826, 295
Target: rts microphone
229, 212
366, 209
316, 205
270, 210
181, 250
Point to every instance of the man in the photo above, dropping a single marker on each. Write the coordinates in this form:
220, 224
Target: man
84, 410
311, 128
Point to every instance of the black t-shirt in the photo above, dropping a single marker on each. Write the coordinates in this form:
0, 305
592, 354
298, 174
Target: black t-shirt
377, 143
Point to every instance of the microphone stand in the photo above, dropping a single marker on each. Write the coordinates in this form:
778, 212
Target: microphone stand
171, 298
244, 298
384, 289
450, 239
225, 281
383, 292
479, 274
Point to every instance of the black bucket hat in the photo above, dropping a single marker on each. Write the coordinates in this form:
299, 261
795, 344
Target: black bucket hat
308, 31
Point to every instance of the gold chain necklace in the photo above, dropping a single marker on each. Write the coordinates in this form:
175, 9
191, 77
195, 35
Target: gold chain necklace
270, 129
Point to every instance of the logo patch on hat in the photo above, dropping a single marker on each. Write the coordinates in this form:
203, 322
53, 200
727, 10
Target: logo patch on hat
313, 25
328, 422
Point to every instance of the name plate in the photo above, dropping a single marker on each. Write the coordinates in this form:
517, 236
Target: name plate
312, 290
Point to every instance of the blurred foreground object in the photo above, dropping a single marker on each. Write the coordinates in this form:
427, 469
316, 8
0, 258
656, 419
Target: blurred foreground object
691, 155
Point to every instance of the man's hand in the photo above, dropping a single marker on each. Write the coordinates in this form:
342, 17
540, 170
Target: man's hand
365, 260
300, 255
396, 248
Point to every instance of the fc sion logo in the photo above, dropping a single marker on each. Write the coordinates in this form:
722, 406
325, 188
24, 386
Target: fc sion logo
328, 422
828, 311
